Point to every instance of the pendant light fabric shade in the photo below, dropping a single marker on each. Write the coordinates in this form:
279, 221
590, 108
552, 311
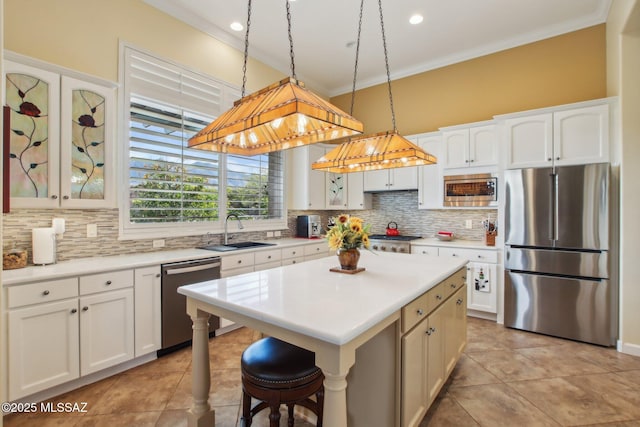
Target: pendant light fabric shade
281, 116
383, 150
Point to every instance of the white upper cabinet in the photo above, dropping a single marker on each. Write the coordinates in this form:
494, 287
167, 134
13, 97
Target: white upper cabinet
306, 186
391, 179
473, 146
565, 137
61, 140
356, 197
581, 136
430, 176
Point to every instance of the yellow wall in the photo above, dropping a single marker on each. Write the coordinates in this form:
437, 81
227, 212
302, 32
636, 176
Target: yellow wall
84, 35
623, 62
560, 70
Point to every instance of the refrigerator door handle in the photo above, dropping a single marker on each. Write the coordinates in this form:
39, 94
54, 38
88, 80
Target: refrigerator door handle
556, 219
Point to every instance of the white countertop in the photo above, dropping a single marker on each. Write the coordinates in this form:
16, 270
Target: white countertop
94, 265
307, 298
469, 244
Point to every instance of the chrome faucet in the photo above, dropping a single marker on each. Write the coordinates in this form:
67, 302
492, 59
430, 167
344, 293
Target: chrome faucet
240, 226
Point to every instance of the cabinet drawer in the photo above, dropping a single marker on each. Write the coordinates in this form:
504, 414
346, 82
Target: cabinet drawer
36, 293
455, 282
269, 256
471, 254
420, 307
294, 260
237, 261
106, 281
425, 250
294, 252
318, 248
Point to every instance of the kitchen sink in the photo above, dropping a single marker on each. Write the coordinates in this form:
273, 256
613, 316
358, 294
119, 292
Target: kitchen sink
236, 246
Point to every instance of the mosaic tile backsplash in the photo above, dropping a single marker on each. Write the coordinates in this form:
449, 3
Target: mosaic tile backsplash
399, 207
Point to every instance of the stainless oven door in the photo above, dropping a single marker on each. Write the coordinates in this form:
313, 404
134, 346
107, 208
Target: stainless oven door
176, 324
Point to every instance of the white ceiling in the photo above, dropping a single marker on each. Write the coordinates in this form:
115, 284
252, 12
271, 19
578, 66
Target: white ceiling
452, 31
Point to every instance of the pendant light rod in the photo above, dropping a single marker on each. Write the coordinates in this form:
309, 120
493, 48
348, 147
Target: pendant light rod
293, 64
386, 62
246, 50
355, 68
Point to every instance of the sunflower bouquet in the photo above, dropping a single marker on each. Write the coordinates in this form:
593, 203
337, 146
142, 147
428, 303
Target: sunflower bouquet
349, 232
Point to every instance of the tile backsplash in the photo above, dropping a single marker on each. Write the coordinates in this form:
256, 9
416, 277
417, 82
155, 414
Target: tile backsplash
400, 207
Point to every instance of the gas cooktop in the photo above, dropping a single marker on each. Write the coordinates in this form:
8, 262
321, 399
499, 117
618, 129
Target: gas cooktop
385, 237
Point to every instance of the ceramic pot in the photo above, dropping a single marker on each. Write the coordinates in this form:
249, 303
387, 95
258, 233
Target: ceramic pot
348, 258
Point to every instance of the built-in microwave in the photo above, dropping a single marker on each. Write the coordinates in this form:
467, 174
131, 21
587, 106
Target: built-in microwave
471, 190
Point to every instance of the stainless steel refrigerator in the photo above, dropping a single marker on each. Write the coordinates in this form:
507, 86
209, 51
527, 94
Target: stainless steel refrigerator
557, 254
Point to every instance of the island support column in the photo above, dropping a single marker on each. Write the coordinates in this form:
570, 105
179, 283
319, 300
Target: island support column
335, 362
200, 414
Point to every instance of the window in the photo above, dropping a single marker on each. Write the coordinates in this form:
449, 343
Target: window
177, 190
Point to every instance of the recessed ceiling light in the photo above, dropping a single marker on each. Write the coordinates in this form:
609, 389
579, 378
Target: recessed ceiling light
236, 26
416, 19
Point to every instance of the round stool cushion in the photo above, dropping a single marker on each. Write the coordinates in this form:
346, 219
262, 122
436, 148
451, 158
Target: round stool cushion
275, 361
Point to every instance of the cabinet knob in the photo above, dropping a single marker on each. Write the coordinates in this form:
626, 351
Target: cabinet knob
239, 261
557, 158
459, 301
471, 160
65, 197
429, 331
53, 196
293, 262
294, 252
466, 161
439, 297
464, 278
158, 275
74, 310
108, 282
453, 286
549, 159
269, 257
46, 292
85, 308
420, 312
454, 254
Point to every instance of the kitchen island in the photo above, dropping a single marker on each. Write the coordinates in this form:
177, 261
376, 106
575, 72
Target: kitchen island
333, 315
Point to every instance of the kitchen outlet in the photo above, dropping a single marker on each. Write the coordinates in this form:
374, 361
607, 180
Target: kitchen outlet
158, 243
468, 223
269, 233
92, 230
277, 233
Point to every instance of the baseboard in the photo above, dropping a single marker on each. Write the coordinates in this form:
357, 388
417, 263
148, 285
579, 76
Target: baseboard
626, 348
481, 315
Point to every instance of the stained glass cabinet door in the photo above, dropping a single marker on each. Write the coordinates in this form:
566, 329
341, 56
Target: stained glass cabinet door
86, 145
33, 95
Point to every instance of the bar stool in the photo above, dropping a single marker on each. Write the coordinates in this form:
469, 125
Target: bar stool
275, 373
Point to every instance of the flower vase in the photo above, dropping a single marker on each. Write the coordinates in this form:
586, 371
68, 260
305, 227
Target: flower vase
348, 258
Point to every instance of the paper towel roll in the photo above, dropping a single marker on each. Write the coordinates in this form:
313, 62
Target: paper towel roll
44, 245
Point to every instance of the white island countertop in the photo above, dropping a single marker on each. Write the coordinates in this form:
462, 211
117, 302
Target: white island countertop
333, 307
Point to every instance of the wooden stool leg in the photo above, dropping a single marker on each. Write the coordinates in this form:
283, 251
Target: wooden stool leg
274, 416
246, 408
290, 420
320, 406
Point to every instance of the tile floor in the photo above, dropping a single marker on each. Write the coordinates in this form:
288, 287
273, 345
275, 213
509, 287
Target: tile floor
504, 378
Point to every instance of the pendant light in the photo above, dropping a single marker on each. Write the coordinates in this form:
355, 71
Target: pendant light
384, 150
280, 116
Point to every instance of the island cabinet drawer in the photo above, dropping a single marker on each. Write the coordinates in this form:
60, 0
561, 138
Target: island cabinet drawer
454, 282
40, 292
237, 261
420, 307
272, 255
294, 252
109, 281
425, 250
471, 254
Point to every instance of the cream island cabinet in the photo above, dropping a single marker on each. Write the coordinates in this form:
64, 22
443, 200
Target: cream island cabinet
367, 331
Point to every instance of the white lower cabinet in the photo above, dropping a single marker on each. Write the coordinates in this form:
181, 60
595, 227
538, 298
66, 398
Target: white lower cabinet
147, 295
431, 348
60, 330
106, 330
44, 346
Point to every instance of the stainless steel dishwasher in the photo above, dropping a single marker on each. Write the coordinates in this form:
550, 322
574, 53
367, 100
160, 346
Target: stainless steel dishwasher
176, 323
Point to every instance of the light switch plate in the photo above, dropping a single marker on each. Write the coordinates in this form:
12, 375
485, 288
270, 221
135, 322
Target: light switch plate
468, 223
158, 243
92, 230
